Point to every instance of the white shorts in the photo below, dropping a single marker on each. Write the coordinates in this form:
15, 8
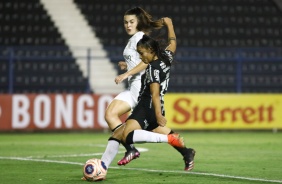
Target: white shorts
131, 94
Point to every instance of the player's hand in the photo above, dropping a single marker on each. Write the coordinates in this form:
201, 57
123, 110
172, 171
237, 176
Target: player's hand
120, 78
167, 21
161, 120
122, 65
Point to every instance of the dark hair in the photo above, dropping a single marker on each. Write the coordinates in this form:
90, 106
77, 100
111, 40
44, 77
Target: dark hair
145, 22
149, 43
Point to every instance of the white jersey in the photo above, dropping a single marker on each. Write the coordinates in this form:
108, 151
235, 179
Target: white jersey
131, 55
132, 59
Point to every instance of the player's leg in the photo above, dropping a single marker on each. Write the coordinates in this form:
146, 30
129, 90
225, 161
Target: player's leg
112, 117
133, 133
113, 112
187, 153
112, 146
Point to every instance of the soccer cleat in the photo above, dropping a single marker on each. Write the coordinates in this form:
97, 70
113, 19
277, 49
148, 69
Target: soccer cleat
189, 159
175, 140
128, 156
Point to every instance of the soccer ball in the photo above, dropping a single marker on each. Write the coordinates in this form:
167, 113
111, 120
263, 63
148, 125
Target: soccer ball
94, 170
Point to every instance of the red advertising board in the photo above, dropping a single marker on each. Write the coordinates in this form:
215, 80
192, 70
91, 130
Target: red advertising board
53, 112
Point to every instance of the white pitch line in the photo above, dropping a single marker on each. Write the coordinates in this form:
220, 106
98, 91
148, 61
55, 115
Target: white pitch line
68, 156
205, 174
82, 155
40, 160
148, 170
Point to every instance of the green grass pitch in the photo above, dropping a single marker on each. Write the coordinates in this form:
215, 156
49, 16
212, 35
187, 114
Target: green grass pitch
222, 157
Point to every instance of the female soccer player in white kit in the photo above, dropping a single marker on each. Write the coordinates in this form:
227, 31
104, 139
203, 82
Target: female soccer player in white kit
137, 22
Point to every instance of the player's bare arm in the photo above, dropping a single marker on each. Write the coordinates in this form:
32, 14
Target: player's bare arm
171, 34
137, 69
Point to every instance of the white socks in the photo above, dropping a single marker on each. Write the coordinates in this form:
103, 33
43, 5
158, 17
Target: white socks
110, 152
141, 136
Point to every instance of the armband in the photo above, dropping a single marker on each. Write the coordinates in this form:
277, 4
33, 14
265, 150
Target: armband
171, 38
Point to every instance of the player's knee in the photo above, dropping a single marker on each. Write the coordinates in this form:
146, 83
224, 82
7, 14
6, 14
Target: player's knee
108, 115
112, 119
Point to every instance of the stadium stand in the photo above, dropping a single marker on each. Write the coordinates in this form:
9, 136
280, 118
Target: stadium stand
223, 46
41, 61
204, 30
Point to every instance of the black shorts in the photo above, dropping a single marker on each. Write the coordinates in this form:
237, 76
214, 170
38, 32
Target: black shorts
144, 113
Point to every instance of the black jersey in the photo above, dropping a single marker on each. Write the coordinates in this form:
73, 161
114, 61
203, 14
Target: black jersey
159, 72
144, 112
